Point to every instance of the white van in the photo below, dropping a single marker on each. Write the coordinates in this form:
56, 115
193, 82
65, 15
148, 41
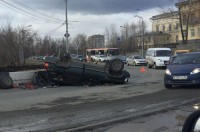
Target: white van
158, 57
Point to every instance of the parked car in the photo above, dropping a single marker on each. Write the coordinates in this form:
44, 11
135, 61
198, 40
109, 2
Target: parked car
184, 70
121, 57
102, 58
95, 58
65, 71
135, 60
73, 56
158, 57
79, 58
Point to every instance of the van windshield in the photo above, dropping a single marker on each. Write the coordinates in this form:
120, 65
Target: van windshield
161, 53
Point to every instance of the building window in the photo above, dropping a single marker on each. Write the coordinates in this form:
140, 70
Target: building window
170, 27
184, 34
149, 39
192, 17
177, 26
157, 28
163, 28
184, 19
177, 38
192, 33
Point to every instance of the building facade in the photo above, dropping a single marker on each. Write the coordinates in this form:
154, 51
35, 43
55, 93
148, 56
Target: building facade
96, 41
169, 23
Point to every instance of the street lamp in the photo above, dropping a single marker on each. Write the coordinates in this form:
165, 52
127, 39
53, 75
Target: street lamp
142, 33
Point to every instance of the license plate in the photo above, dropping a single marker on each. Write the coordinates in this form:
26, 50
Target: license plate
180, 77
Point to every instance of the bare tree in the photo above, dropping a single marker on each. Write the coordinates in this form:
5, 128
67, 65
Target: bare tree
80, 44
183, 14
111, 36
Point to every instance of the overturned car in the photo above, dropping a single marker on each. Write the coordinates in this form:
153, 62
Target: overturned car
65, 71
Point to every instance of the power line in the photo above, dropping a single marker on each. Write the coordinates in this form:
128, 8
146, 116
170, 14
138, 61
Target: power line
54, 30
28, 13
35, 11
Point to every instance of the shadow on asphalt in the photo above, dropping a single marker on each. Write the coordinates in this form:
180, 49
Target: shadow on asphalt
186, 87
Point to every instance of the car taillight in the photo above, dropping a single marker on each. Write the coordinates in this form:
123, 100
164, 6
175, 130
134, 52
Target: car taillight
46, 65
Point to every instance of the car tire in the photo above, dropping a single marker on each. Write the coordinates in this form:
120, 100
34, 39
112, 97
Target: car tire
116, 66
148, 65
154, 66
127, 63
5, 82
168, 86
191, 122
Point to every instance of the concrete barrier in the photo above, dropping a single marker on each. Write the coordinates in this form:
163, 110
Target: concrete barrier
23, 76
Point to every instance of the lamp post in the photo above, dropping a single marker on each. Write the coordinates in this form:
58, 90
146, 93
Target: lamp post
142, 33
126, 36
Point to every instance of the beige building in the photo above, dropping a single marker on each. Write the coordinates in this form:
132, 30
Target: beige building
192, 9
169, 23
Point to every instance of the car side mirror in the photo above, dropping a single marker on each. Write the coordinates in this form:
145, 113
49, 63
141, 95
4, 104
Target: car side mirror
192, 123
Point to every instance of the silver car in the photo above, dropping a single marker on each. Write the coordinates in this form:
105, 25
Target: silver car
135, 60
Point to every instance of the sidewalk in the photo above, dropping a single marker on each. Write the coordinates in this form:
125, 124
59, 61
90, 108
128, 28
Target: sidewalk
165, 121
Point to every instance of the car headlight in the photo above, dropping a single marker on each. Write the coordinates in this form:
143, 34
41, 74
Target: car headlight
168, 72
195, 71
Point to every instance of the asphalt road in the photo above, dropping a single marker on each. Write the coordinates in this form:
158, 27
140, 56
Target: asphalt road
77, 108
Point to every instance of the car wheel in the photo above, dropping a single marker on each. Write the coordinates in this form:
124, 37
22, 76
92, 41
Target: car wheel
127, 63
168, 86
154, 66
5, 82
148, 65
116, 66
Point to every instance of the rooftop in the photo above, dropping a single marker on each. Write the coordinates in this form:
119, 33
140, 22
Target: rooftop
165, 15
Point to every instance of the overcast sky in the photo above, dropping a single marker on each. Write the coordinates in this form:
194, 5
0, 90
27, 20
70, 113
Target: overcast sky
92, 16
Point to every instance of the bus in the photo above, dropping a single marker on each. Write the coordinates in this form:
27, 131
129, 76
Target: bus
101, 51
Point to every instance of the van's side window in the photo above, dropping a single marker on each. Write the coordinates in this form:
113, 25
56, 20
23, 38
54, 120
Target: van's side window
151, 52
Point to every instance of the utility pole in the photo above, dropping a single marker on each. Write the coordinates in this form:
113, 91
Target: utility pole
67, 33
